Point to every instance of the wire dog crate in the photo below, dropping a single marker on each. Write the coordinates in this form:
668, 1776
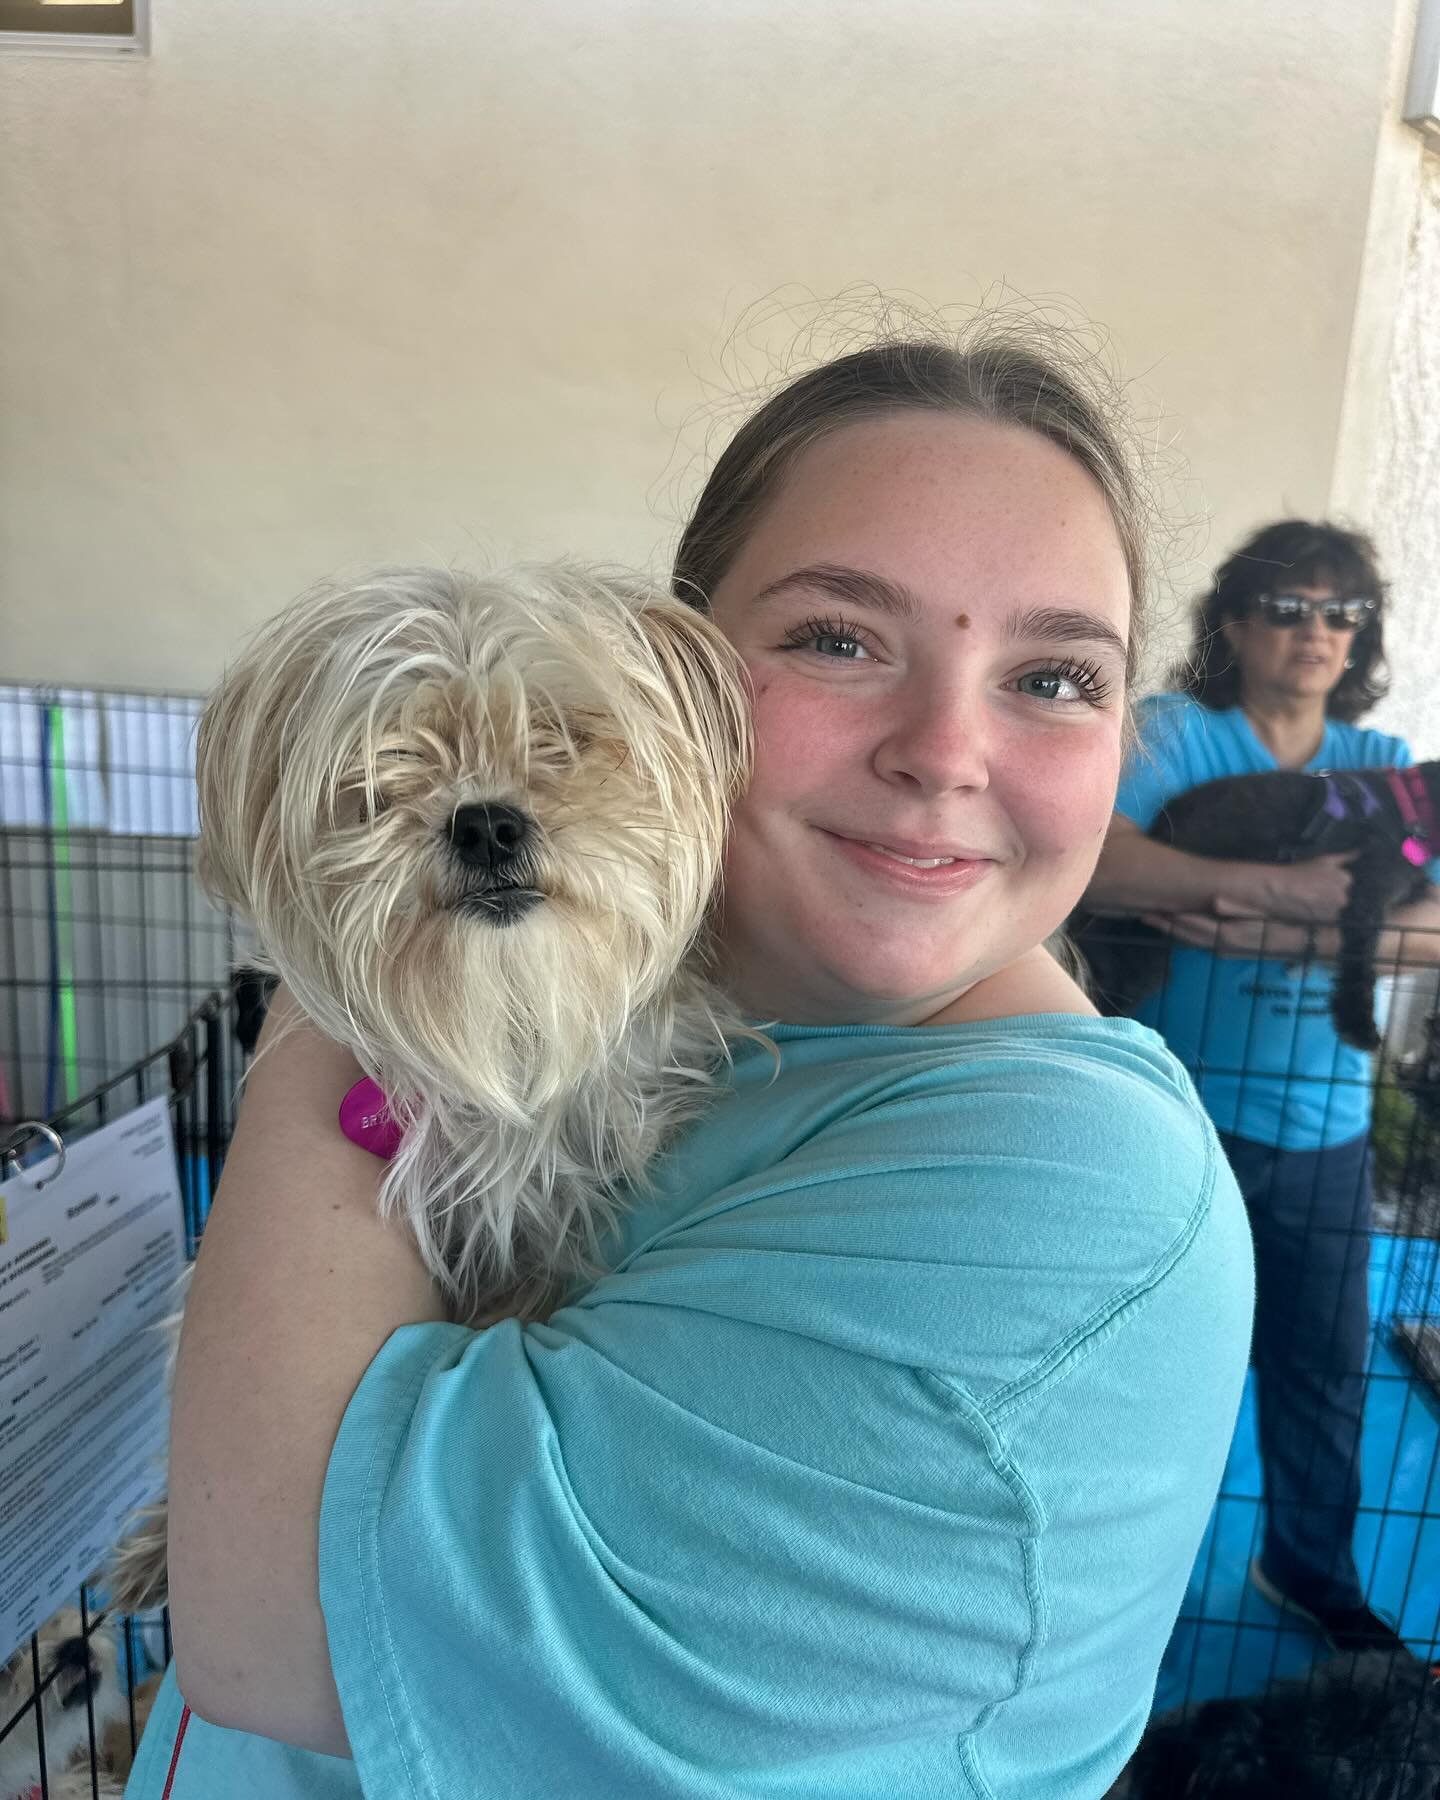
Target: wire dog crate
115, 989
1416, 1317
107, 943
103, 1659
1231, 1644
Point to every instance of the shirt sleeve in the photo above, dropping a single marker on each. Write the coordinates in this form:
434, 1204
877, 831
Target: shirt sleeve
742, 1522
536, 1562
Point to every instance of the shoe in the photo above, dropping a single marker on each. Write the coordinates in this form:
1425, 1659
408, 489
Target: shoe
1342, 1627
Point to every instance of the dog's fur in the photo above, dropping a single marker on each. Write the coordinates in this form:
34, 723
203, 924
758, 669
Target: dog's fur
1360, 1727
80, 1690
1277, 817
1419, 1075
539, 1016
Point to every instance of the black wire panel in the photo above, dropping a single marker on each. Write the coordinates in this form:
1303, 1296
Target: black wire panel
199, 1069
1251, 1699
107, 941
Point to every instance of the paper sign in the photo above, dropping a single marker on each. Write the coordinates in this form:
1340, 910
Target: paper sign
89, 1264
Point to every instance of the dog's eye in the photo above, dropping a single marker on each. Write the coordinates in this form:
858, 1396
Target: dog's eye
354, 807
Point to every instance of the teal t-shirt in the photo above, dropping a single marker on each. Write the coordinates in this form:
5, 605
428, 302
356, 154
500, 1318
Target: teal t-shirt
876, 1468
1255, 1033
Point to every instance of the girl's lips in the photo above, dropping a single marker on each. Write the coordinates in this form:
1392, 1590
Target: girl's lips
945, 878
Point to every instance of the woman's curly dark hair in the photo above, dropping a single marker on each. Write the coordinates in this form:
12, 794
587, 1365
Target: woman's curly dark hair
1292, 551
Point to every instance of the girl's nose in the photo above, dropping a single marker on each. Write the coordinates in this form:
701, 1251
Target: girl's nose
935, 740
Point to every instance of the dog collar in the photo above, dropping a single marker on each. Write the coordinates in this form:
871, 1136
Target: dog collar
1340, 789
367, 1121
1416, 814
1342, 796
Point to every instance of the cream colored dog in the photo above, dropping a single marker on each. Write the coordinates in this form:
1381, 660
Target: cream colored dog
83, 1711
476, 825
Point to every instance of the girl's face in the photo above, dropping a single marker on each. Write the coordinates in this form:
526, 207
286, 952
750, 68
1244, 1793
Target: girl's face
934, 612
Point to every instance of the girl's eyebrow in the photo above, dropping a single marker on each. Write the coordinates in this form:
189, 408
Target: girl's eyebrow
858, 586
1065, 625
861, 587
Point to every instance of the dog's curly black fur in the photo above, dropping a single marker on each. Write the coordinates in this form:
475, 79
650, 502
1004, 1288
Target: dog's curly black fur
1360, 1727
1284, 816
1419, 1075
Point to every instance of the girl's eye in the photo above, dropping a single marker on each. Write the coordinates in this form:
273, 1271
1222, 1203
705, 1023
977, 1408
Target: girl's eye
833, 639
1066, 684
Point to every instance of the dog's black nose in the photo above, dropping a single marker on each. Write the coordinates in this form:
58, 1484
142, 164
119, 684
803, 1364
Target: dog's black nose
489, 838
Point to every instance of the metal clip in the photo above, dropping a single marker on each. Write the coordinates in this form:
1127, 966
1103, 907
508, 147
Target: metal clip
33, 1128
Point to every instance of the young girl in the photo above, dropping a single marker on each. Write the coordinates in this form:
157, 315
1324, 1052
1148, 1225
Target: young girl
877, 1465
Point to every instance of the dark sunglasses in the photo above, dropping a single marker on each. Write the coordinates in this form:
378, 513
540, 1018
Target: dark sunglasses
1289, 610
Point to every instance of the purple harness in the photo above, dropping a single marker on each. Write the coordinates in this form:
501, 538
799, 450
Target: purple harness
1347, 796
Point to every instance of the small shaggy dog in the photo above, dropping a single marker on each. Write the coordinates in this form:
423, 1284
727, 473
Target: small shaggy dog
80, 1691
476, 825
1387, 816
1360, 1727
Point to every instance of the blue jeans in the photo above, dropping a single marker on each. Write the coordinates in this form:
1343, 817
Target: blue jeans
1310, 1213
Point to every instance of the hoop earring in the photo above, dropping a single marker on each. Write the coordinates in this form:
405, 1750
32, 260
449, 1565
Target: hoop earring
1349, 662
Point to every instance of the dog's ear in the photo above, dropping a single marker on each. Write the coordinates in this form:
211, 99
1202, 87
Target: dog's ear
710, 684
239, 755
219, 857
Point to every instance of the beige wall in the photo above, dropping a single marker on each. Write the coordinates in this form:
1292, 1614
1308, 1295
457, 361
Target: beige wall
317, 285
1402, 493
1387, 463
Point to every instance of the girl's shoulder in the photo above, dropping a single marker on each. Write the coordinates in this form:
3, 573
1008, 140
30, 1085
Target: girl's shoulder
965, 1199
1055, 1045
1105, 1097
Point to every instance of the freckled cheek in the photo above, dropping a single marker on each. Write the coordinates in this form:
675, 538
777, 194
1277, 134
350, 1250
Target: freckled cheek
797, 733
1062, 795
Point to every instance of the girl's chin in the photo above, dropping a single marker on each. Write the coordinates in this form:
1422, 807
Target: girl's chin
902, 992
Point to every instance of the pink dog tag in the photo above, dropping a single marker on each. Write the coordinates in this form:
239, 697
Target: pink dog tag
366, 1120
1415, 852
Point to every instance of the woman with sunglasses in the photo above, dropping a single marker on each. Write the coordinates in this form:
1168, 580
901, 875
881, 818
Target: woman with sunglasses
1287, 655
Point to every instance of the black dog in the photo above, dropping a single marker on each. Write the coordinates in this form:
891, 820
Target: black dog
1361, 1727
1388, 816
1419, 1075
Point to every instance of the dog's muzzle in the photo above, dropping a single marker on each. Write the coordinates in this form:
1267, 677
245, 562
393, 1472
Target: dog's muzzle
491, 842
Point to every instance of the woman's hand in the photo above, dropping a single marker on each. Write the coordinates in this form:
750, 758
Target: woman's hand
1410, 940
1269, 910
1307, 893
1137, 875
1232, 930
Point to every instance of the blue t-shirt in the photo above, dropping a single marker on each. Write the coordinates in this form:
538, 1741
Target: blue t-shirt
1256, 1034
876, 1468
